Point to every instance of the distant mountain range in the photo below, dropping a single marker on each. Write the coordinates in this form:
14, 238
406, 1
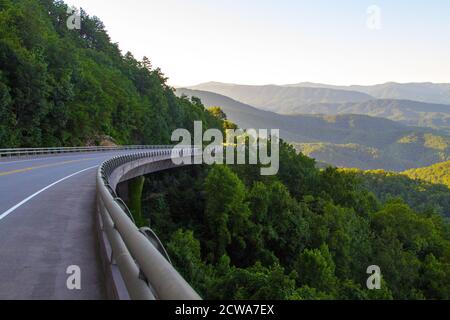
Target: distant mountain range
423, 92
281, 98
409, 112
347, 140
392, 101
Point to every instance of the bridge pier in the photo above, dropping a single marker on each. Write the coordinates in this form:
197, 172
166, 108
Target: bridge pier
131, 192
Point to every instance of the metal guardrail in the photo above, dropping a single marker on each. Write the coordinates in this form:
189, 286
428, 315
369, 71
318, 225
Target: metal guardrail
139, 255
18, 152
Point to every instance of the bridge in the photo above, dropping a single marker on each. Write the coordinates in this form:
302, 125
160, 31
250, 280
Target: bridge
63, 207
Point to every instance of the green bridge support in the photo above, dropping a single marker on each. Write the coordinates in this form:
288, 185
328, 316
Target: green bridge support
135, 187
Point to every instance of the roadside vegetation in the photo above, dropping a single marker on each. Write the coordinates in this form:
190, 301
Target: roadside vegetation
305, 233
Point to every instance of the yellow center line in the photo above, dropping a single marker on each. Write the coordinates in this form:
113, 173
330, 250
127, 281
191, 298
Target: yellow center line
6, 173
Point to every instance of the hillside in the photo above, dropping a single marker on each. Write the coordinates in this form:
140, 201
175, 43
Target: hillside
424, 92
352, 156
343, 140
410, 151
437, 173
310, 98
279, 98
303, 234
245, 116
409, 112
61, 87
419, 194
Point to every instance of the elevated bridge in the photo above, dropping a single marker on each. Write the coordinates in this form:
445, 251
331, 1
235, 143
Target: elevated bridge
61, 207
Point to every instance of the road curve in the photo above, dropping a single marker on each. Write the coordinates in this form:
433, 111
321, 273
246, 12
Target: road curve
47, 224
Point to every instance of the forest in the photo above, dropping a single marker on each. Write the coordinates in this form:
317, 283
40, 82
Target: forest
438, 173
61, 87
422, 192
306, 233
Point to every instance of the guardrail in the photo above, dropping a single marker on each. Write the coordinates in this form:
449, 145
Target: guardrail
142, 261
18, 152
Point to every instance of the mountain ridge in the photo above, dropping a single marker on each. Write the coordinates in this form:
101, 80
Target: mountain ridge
428, 92
438, 173
276, 98
319, 98
381, 143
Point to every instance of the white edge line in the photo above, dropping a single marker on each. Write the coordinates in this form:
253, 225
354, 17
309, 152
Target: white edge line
9, 211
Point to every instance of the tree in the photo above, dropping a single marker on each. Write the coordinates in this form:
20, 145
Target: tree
402, 237
72, 87
286, 232
8, 132
226, 213
185, 252
297, 172
254, 283
218, 113
315, 269
146, 63
348, 237
435, 279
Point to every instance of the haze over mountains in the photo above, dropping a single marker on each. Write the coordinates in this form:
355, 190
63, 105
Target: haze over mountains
334, 132
281, 98
424, 91
409, 112
309, 92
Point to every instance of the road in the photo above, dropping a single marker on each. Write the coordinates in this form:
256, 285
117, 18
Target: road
47, 224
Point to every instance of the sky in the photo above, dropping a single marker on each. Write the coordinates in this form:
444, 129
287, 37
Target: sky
283, 41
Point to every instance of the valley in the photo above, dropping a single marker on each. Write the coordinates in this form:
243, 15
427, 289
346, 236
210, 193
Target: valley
344, 140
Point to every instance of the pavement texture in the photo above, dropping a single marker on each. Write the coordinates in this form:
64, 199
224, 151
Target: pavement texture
47, 227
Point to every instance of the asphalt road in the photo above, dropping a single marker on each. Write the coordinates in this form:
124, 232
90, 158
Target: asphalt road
47, 224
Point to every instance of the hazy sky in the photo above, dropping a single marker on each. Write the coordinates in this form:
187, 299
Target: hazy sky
283, 41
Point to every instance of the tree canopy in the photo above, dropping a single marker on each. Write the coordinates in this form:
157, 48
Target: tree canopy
61, 87
257, 237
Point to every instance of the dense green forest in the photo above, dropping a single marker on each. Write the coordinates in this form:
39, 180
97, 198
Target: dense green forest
417, 192
61, 87
303, 234
232, 233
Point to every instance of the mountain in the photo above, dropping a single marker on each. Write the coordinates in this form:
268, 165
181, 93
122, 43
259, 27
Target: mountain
437, 173
243, 115
424, 92
305, 128
280, 98
343, 140
406, 111
379, 101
